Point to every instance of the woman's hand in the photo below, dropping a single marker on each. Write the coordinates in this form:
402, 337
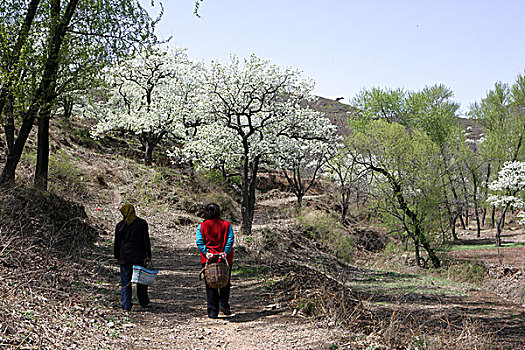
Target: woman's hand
222, 255
209, 255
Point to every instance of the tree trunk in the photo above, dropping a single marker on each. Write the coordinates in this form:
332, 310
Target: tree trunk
344, 212
451, 216
148, 159
9, 126
68, 107
460, 216
499, 226
475, 199
299, 200
149, 141
493, 217
298, 184
247, 214
436, 263
249, 181
452, 212
49, 80
418, 254
345, 204
8, 172
42, 158
454, 234
478, 223
396, 187
486, 191
15, 148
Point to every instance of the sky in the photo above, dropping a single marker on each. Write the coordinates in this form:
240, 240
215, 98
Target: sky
347, 46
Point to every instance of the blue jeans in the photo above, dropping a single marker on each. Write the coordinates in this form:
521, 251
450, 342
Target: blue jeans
126, 271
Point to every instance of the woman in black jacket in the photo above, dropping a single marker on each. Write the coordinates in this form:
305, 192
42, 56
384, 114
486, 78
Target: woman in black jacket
132, 247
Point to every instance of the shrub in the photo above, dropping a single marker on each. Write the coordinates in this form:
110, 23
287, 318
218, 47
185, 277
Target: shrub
467, 271
327, 229
63, 175
228, 210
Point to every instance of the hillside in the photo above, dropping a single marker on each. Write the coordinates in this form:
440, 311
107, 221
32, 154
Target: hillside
338, 112
296, 284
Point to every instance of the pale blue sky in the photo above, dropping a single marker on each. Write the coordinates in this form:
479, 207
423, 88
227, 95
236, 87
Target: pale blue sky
346, 46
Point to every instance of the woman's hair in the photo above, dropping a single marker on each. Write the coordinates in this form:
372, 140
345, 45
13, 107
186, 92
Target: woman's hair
212, 211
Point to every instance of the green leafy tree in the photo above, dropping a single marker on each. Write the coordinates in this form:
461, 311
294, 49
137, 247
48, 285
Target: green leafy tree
385, 104
433, 111
502, 116
75, 38
17, 41
406, 185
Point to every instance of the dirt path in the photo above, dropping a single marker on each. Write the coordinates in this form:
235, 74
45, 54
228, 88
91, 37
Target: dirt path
178, 320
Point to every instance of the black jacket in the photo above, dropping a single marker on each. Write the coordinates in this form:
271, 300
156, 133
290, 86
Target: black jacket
132, 244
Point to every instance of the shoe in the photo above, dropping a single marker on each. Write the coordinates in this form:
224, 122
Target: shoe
214, 316
225, 310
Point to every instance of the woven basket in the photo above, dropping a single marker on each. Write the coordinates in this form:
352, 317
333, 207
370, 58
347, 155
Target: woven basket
143, 275
217, 274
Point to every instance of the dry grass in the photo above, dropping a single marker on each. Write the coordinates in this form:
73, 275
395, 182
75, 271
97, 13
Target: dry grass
54, 290
402, 331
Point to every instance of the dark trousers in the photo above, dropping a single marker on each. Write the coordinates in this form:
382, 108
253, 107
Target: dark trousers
126, 271
217, 298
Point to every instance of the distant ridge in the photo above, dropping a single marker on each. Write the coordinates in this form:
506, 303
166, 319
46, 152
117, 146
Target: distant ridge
336, 111
338, 114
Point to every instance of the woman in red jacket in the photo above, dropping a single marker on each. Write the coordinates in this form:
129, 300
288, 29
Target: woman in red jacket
215, 237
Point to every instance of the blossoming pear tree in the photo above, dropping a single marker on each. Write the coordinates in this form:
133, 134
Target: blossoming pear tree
253, 111
508, 191
153, 95
302, 158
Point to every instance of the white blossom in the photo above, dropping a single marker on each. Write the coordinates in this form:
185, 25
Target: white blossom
252, 110
509, 185
155, 94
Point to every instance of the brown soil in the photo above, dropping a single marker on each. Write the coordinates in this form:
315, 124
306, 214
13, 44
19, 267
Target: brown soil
269, 308
267, 318
505, 256
178, 319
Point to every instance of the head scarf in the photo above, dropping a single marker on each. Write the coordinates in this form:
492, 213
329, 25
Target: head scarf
129, 213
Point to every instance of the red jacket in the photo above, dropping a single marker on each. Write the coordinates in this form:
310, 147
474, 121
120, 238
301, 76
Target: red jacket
214, 234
